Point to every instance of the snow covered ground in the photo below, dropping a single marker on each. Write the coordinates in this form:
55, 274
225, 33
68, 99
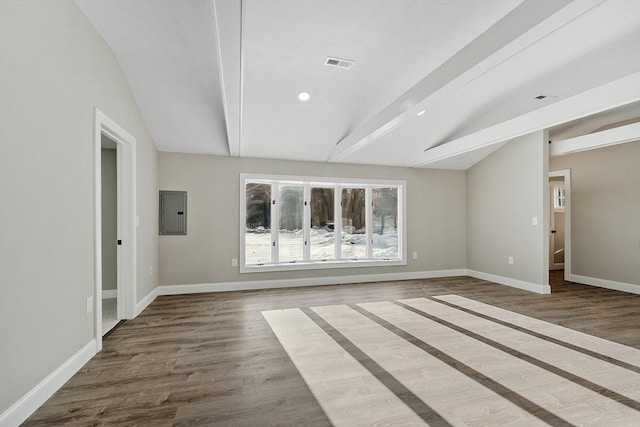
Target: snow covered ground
258, 245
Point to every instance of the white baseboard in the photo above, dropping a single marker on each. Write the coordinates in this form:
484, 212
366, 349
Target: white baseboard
109, 293
515, 283
23, 408
603, 283
315, 281
144, 303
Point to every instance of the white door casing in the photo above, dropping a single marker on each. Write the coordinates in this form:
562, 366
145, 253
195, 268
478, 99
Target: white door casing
126, 152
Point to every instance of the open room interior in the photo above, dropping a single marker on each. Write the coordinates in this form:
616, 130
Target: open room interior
241, 212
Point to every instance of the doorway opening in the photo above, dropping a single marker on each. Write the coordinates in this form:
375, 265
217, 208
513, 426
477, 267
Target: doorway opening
114, 224
559, 227
111, 310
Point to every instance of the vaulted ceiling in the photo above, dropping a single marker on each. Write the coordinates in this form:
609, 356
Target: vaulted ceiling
433, 83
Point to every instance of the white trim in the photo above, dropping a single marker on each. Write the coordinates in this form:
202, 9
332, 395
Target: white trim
610, 95
306, 219
275, 224
566, 173
603, 283
227, 20
344, 280
27, 404
515, 283
337, 221
109, 293
144, 303
402, 201
368, 209
323, 265
314, 281
544, 230
126, 144
320, 180
605, 138
522, 27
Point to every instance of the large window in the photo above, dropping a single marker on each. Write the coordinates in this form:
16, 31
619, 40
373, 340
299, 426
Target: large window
301, 222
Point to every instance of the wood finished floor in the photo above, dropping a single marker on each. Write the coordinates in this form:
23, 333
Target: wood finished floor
212, 359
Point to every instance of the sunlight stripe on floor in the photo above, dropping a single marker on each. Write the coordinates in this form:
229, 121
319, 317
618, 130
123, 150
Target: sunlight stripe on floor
424, 411
605, 347
348, 393
455, 396
566, 399
606, 375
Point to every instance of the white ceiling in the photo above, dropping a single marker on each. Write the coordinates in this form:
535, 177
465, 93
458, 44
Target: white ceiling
167, 51
221, 76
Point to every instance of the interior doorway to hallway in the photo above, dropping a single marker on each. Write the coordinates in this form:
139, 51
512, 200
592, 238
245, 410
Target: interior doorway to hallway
105, 129
559, 226
111, 286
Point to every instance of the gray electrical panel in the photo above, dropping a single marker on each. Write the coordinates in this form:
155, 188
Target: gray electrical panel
173, 213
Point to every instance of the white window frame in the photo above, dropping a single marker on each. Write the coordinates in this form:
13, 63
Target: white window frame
338, 184
559, 197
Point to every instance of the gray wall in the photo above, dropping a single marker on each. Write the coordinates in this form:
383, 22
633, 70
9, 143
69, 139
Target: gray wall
605, 211
109, 219
54, 68
504, 192
436, 212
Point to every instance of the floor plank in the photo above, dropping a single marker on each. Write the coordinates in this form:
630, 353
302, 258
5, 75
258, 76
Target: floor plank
212, 359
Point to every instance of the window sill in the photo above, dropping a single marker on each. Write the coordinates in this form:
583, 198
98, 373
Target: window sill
318, 265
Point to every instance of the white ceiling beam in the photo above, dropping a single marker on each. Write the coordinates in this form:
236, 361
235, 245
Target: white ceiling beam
228, 24
605, 138
611, 95
523, 26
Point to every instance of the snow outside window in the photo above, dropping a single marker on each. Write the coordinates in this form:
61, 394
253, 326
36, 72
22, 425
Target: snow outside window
323, 219
295, 223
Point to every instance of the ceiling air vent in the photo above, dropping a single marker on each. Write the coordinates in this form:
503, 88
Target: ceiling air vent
337, 62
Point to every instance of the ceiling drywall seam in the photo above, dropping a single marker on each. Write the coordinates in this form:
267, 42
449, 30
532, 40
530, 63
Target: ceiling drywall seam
228, 25
526, 24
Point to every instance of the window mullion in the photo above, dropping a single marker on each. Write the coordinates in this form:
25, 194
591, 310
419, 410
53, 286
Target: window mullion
400, 222
275, 222
368, 221
306, 221
337, 224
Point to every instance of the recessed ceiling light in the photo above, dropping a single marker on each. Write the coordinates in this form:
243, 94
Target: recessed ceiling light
304, 96
421, 112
